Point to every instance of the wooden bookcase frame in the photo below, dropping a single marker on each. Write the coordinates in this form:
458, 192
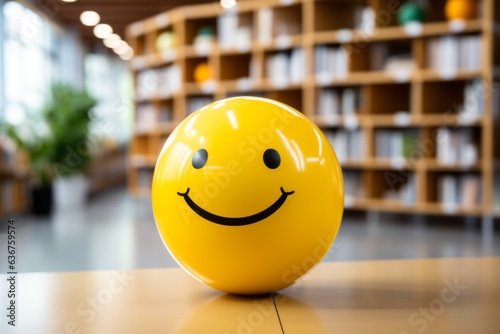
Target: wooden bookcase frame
318, 27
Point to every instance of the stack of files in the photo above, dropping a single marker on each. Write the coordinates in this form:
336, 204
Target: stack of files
459, 190
395, 144
348, 145
452, 53
456, 146
286, 68
334, 102
331, 63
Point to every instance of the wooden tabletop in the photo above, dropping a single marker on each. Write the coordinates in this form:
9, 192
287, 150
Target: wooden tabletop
459, 295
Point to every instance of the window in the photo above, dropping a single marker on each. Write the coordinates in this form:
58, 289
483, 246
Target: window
30, 60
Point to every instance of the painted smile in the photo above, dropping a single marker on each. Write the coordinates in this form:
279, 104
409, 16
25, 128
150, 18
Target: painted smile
237, 221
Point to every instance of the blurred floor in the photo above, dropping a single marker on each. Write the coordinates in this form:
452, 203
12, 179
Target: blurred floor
118, 232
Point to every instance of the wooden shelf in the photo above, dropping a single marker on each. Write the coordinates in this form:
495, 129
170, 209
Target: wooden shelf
348, 36
413, 97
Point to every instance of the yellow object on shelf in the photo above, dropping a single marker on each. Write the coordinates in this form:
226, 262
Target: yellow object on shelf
248, 195
461, 9
202, 73
166, 40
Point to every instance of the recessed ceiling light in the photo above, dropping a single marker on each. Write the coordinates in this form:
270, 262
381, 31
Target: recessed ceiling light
228, 3
90, 18
69, 0
112, 41
127, 55
102, 30
121, 48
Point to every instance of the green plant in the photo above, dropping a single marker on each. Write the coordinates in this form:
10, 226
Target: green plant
56, 141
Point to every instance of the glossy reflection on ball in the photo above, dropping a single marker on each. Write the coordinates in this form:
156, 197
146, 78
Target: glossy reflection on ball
247, 195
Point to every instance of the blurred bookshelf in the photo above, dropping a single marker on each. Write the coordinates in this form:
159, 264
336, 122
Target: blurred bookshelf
410, 110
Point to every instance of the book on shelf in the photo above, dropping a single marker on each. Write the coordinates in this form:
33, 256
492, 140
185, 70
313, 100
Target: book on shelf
455, 190
348, 144
450, 54
164, 81
395, 144
456, 146
331, 63
284, 68
405, 194
473, 104
365, 19
234, 32
265, 25
333, 103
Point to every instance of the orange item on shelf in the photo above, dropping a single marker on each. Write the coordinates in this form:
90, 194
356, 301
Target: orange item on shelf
202, 73
461, 9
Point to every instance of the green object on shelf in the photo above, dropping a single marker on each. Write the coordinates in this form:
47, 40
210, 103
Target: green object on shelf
205, 31
410, 12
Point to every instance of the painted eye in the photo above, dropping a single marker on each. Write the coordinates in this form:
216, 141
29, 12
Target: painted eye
272, 158
200, 158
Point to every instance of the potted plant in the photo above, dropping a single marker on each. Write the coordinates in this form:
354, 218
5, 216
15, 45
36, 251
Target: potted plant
67, 115
57, 145
37, 147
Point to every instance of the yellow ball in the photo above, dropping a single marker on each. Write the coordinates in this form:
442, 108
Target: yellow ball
247, 195
460, 9
202, 73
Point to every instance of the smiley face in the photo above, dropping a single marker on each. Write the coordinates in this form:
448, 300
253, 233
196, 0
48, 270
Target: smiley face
247, 195
271, 160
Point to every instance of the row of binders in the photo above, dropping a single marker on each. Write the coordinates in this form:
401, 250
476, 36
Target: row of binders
147, 117
396, 144
164, 81
462, 190
456, 146
331, 63
285, 68
332, 103
347, 144
449, 54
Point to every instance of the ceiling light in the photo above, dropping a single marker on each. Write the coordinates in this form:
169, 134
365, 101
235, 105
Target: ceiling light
102, 30
90, 18
112, 41
127, 55
228, 3
121, 48
69, 0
